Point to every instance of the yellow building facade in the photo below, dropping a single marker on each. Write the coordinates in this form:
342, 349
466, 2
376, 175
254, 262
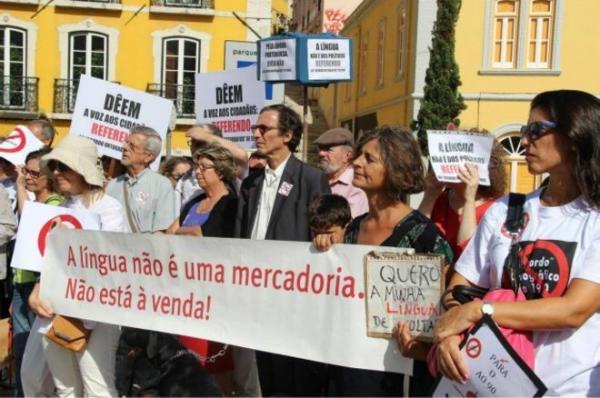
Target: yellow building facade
507, 52
154, 46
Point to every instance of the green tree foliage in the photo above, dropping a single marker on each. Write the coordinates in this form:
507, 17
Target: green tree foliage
442, 103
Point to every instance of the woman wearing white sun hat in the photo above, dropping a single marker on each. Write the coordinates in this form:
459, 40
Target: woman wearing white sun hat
75, 166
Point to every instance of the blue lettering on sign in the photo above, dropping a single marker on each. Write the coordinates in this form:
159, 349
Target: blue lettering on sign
268, 86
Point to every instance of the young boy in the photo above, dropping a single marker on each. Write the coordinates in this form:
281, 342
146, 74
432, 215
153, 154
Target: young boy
329, 215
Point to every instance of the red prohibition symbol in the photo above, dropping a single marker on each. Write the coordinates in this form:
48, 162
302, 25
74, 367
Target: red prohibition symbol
65, 219
473, 347
17, 136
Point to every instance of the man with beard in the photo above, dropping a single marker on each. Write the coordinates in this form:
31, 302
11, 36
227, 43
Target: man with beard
335, 157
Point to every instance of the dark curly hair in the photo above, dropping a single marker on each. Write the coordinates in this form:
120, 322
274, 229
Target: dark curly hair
401, 157
577, 117
289, 120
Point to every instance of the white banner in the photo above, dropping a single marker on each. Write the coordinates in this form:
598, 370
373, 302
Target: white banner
278, 59
106, 111
328, 59
449, 149
281, 297
231, 101
18, 144
37, 220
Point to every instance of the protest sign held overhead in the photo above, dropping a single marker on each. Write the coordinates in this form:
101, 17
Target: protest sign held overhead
281, 297
231, 100
36, 223
106, 111
329, 59
495, 369
449, 150
401, 287
18, 144
277, 59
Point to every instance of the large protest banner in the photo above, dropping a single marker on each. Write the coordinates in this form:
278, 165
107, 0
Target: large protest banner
106, 111
231, 101
17, 144
281, 297
36, 222
449, 149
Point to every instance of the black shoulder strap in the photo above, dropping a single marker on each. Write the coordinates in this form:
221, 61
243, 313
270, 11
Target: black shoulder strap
514, 214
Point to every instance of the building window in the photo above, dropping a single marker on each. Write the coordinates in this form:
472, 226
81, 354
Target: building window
380, 53
13, 68
540, 33
506, 23
364, 56
180, 63
401, 34
518, 176
88, 54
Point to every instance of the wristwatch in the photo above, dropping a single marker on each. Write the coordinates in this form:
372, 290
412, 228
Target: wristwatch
487, 309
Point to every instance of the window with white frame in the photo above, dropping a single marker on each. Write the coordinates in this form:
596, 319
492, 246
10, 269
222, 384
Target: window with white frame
180, 63
88, 54
541, 15
401, 38
13, 66
364, 56
506, 25
380, 52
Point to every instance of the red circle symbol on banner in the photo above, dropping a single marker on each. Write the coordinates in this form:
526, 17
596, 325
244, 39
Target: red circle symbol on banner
63, 218
19, 136
473, 347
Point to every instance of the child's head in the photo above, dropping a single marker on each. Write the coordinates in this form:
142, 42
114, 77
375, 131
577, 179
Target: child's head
329, 214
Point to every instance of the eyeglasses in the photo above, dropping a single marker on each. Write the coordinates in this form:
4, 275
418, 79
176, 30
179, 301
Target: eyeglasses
177, 177
202, 168
54, 165
262, 129
32, 173
535, 130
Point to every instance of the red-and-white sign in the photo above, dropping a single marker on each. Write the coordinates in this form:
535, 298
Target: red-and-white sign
281, 297
37, 220
18, 144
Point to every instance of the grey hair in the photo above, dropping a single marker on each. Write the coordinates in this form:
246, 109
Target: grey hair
48, 130
153, 140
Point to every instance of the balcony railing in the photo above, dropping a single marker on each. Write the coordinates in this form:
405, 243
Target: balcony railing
184, 3
19, 93
183, 96
65, 94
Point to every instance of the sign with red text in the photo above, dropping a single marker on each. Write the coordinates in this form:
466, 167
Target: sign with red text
37, 220
18, 143
495, 369
449, 150
329, 59
106, 111
405, 288
274, 296
231, 101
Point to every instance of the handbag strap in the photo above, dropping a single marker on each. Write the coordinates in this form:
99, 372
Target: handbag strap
514, 225
132, 224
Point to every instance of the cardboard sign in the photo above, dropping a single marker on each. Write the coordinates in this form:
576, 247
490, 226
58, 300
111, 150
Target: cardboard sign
278, 60
329, 59
37, 220
281, 297
17, 144
105, 112
405, 288
449, 149
231, 100
495, 369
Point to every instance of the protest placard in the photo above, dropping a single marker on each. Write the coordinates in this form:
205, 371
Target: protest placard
231, 101
329, 59
106, 111
402, 287
17, 144
281, 297
449, 149
278, 59
495, 369
37, 220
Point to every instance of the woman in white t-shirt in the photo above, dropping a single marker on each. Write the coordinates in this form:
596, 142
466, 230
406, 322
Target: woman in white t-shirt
75, 166
559, 250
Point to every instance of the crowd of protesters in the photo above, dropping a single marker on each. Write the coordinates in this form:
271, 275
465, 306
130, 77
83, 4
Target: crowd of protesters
359, 194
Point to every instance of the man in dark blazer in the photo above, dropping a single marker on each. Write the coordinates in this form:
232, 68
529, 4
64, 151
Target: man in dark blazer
272, 205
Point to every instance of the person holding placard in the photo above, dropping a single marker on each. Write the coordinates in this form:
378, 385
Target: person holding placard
388, 167
75, 165
559, 263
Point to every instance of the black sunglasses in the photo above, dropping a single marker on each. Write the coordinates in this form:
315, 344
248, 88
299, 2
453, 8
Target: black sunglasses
55, 165
535, 130
262, 129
